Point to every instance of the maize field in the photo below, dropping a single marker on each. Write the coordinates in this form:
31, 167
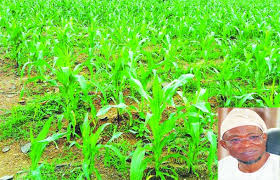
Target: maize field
129, 89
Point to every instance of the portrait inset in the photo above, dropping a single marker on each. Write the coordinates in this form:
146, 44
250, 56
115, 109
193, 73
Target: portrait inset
249, 144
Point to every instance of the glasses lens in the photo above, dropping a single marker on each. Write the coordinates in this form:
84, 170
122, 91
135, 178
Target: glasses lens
255, 139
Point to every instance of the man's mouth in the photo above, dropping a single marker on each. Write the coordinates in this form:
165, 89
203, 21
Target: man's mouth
249, 153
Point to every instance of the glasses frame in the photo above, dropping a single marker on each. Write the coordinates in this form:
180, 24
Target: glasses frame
243, 139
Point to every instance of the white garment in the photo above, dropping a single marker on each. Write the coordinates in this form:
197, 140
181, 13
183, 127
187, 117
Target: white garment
228, 170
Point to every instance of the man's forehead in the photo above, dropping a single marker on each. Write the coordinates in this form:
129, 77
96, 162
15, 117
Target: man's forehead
241, 117
243, 130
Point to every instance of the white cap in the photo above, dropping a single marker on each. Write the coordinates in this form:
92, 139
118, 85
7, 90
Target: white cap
241, 117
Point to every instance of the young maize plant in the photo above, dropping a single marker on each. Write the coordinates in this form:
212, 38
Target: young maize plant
199, 118
91, 147
161, 132
38, 145
118, 69
73, 87
138, 163
212, 158
68, 88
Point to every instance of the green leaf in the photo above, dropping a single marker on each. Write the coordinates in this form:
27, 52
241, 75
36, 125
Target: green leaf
244, 98
212, 138
105, 109
97, 174
201, 96
77, 68
23, 68
115, 136
202, 106
195, 131
85, 129
59, 121
139, 87
138, 164
170, 89
167, 125
94, 138
117, 151
83, 82
44, 132
53, 137
85, 167
36, 147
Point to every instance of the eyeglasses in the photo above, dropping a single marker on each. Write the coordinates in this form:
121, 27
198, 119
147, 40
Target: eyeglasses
254, 139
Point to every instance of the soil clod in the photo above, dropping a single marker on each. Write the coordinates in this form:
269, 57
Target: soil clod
25, 148
6, 149
7, 178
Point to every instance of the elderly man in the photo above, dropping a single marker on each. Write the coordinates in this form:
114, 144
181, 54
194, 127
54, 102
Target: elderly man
243, 135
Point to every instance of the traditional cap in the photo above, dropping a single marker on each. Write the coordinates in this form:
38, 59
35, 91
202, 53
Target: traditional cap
241, 117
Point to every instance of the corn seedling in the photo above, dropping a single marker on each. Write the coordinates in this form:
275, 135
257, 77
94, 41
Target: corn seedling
91, 147
38, 145
159, 130
199, 116
138, 163
212, 158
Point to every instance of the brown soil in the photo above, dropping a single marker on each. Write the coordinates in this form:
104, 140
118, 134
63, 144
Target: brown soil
9, 87
13, 160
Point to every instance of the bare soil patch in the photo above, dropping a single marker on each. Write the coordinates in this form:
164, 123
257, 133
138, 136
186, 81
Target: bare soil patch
9, 87
12, 161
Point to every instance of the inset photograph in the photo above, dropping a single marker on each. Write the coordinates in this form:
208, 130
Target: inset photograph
248, 144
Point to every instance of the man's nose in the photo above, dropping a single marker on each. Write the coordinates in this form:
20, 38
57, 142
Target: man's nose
246, 142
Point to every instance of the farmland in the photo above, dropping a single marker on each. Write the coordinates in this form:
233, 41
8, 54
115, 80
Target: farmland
119, 89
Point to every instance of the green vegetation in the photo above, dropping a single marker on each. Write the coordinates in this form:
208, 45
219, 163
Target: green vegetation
17, 122
155, 70
38, 145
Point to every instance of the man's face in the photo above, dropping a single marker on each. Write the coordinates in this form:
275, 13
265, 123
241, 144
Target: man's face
245, 143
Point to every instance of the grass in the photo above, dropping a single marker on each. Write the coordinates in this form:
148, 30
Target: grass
115, 61
34, 114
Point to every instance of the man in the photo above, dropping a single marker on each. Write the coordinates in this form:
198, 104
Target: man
243, 135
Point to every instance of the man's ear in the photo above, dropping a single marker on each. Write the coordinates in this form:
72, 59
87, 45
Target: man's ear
223, 143
265, 137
